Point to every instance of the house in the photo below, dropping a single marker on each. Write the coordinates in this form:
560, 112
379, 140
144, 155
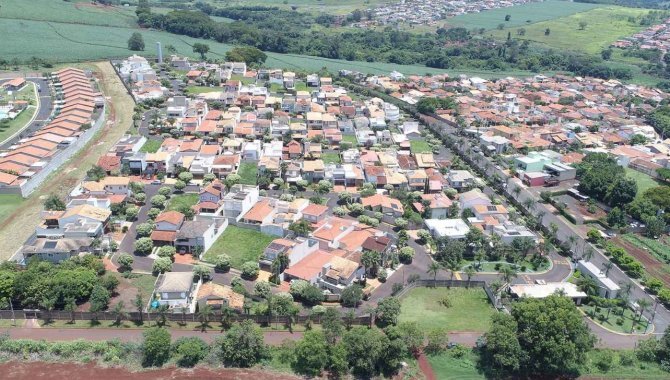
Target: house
313, 171
439, 205
169, 221
340, 273
239, 200
219, 297
315, 213
309, 268
385, 204
545, 290
260, 213
460, 179
472, 198
55, 250
295, 250
197, 236
606, 287
176, 290
449, 228
509, 232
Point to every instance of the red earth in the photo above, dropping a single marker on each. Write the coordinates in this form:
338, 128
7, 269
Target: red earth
651, 264
58, 371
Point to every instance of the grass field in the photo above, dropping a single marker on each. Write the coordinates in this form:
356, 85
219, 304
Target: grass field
644, 181
69, 12
604, 26
202, 89
419, 146
180, 201
331, 158
336, 7
8, 203
151, 146
628, 319
423, 306
448, 367
248, 172
350, 139
240, 244
521, 14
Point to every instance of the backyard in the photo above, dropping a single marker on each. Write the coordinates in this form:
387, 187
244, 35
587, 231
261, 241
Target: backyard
240, 244
248, 173
419, 146
447, 309
182, 201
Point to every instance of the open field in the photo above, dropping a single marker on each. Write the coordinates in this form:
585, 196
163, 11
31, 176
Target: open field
8, 203
151, 146
202, 89
177, 202
336, 7
424, 306
644, 181
248, 172
240, 244
419, 146
21, 222
523, 14
329, 157
448, 367
69, 12
604, 26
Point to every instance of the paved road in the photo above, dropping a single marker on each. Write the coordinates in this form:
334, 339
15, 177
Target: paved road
43, 112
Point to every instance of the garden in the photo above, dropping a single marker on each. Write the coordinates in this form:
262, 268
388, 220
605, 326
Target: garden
240, 244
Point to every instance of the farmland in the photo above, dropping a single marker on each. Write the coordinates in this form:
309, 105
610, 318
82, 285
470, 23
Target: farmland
336, 7
604, 26
523, 14
68, 12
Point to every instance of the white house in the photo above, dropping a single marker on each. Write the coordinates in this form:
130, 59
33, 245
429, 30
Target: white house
451, 228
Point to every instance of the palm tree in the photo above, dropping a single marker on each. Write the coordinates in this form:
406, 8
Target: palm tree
607, 265
469, 272
434, 269
204, 315
184, 311
161, 318
226, 317
572, 240
529, 204
516, 190
588, 254
372, 312
643, 304
453, 266
625, 288
139, 306
119, 313
507, 273
587, 285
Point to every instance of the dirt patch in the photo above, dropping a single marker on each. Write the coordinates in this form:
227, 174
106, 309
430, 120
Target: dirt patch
651, 264
57, 371
425, 367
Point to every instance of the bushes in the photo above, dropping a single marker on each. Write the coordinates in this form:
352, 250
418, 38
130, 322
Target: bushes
250, 270
156, 347
144, 245
625, 261
222, 263
190, 351
162, 265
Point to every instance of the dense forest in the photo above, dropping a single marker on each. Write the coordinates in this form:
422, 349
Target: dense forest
282, 31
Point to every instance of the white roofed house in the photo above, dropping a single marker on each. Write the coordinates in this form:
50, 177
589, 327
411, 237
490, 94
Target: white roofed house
176, 290
460, 179
450, 228
606, 287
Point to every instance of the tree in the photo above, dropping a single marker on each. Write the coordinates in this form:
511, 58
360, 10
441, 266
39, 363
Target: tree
222, 262
162, 265
388, 310
406, 254
248, 55
119, 313
139, 305
331, 324
99, 299
434, 269
54, 203
136, 42
167, 251
179, 185
606, 54
131, 212
262, 289
622, 192
655, 226
250, 270
190, 351
202, 272
96, 173
155, 347
301, 227
165, 191
365, 350
144, 229
582, 25
125, 262
503, 351
616, 218
508, 17
311, 295
242, 345
204, 315
371, 261
547, 32
507, 273
201, 49
158, 201
311, 354
469, 272
351, 295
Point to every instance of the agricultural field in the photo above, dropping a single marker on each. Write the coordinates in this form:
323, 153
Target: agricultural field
521, 15
77, 12
604, 26
335, 7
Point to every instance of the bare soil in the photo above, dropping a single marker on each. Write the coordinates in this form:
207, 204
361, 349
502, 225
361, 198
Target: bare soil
651, 264
58, 371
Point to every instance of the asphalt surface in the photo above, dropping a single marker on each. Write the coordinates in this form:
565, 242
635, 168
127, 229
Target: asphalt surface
43, 113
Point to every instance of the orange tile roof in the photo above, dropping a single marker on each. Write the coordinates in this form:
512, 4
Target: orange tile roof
310, 266
168, 236
315, 210
173, 217
259, 212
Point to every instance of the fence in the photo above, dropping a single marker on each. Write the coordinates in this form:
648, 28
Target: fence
172, 317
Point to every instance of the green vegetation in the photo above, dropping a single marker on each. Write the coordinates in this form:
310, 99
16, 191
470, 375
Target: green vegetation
8, 203
248, 172
614, 321
182, 202
447, 367
657, 248
644, 181
426, 307
330, 157
9, 127
350, 139
67, 12
202, 89
604, 26
521, 15
240, 244
144, 283
151, 146
419, 146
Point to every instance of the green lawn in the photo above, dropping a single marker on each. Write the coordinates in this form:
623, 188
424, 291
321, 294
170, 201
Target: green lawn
27, 93
240, 244
202, 89
628, 319
151, 146
520, 14
144, 283
644, 181
470, 309
419, 146
350, 139
604, 26
248, 171
448, 367
178, 202
330, 157
8, 203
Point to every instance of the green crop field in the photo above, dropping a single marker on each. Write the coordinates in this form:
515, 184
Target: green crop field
604, 26
338, 7
523, 14
68, 12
